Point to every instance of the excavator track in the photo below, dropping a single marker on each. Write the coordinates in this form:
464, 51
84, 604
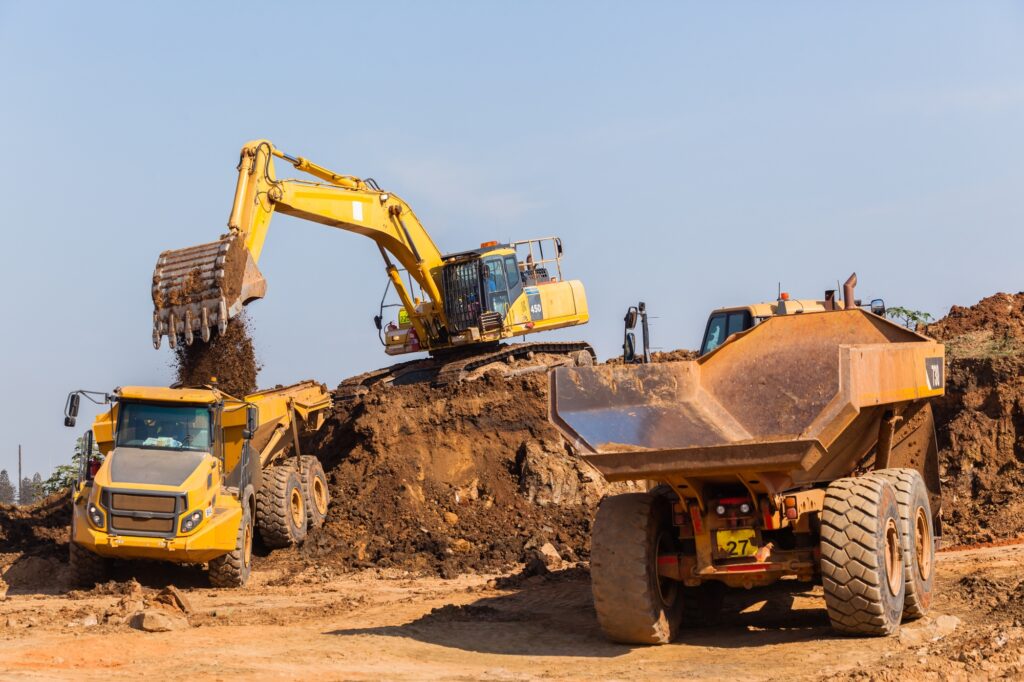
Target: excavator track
458, 370
445, 371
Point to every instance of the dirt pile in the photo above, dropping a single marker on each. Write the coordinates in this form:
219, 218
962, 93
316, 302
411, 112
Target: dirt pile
980, 420
33, 545
446, 480
230, 357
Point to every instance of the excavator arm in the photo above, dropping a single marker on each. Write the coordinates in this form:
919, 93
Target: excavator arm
200, 288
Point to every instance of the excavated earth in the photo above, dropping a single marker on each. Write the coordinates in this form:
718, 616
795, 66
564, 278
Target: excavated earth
980, 420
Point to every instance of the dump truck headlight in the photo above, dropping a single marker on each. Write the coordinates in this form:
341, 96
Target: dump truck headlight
191, 521
96, 516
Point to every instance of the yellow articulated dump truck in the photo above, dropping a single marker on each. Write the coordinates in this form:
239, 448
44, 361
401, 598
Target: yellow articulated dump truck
802, 446
189, 474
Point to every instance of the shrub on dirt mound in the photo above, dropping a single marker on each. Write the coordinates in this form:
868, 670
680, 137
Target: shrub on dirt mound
980, 420
446, 480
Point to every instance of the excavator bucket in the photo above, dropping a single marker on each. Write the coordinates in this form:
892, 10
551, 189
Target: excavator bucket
794, 400
199, 288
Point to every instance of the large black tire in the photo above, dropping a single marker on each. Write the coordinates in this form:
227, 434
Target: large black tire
85, 568
233, 568
281, 507
314, 488
634, 605
918, 538
861, 562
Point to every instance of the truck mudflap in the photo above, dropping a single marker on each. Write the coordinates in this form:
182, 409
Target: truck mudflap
795, 400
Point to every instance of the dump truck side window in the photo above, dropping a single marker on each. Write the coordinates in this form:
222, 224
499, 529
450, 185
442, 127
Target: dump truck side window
738, 322
723, 325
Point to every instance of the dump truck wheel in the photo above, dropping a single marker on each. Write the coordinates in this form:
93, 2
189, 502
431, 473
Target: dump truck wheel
314, 488
861, 556
634, 605
86, 568
917, 536
233, 568
281, 508
702, 605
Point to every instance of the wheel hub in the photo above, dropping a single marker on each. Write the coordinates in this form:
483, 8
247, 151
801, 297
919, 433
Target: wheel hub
893, 560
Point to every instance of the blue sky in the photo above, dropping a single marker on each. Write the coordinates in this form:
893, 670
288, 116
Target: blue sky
690, 155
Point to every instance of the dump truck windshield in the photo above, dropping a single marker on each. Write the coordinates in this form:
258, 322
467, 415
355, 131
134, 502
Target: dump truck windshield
164, 427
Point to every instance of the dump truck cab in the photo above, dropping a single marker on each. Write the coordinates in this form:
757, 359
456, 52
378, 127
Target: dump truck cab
181, 474
724, 322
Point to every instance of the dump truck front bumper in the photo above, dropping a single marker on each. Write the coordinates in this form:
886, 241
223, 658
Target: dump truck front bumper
215, 537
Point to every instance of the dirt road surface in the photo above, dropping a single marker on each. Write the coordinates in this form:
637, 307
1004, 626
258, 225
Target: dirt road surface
380, 625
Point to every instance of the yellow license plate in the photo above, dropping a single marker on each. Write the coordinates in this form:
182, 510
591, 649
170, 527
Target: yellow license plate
737, 543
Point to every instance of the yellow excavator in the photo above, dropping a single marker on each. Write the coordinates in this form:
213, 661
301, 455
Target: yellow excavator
467, 302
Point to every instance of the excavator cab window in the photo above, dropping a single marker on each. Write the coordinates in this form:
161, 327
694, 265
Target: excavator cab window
496, 285
723, 325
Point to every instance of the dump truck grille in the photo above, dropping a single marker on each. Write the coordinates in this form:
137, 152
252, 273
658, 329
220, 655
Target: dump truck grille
134, 513
147, 503
129, 523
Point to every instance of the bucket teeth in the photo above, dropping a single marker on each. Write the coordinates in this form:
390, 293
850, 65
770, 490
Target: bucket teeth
201, 287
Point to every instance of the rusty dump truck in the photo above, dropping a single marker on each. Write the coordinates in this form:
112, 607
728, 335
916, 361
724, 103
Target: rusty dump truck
801, 447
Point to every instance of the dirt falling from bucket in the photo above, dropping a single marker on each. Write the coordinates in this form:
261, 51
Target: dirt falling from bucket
228, 357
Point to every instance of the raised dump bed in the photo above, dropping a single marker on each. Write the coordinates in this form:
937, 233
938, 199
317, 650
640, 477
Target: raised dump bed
749, 444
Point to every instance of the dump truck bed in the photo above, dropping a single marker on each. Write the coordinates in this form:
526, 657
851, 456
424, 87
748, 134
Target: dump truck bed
795, 400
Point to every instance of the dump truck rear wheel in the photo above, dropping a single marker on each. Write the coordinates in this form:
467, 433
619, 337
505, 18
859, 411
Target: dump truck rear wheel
634, 604
86, 568
918, 538
281, 508
861, 556
314, 487
233, 568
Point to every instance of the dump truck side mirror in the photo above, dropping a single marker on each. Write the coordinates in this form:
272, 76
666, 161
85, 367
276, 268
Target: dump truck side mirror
631, 316
71, 409
878, 307
252, 420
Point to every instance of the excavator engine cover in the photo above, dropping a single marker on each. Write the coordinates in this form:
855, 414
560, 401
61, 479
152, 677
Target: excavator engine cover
200, 288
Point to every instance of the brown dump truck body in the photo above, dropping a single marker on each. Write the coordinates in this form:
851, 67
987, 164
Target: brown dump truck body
794, 401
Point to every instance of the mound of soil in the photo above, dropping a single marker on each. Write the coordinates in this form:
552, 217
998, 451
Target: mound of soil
229, 357
980, 420
33, 544
447, 480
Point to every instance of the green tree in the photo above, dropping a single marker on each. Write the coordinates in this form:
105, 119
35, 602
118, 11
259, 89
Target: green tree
65, 475
6, 488
26, 493
910, 318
